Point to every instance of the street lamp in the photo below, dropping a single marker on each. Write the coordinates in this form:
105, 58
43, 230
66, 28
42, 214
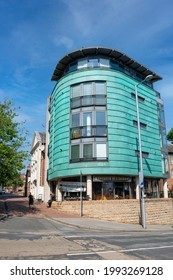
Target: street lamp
81, 199
141, 172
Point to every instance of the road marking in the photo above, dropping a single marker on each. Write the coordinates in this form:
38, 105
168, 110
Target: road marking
93, 235
121, 251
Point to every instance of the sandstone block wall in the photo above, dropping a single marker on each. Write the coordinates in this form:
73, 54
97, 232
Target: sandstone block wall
158, 211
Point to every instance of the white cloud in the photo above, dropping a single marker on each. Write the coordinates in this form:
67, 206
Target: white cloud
67, 42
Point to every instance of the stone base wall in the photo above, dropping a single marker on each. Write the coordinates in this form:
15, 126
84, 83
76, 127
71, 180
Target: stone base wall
158, 211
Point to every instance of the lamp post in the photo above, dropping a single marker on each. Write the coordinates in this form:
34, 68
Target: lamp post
81, 199
141, 172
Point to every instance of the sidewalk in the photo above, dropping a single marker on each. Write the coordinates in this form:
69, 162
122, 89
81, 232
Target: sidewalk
95, 224
20, 205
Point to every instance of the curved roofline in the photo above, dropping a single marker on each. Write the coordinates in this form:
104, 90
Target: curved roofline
102, 51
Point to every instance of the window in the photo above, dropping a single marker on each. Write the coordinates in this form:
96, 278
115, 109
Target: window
83, 63
87, 151
161, 114
101, 150
76, 120
91, 151
144, 154
99, 88
73, 66
87, 123
88, 130
171, 173
87, 89
93, 62
101, 128
165, 166
75, 91
88, 94
140, 99
142, 125
100, 118
75, 153
104, 62
171, 158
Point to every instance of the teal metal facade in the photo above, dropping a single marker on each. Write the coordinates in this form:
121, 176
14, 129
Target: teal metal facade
122, 132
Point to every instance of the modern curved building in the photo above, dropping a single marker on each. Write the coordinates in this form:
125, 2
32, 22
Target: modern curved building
93, 127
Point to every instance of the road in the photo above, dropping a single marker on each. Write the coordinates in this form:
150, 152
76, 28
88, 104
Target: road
40, 237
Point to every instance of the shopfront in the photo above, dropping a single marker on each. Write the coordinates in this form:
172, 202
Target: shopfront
113, 187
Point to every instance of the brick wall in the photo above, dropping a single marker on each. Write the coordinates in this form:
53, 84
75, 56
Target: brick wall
158, 211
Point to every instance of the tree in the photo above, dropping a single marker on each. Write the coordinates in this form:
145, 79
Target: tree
170, 136
12, 144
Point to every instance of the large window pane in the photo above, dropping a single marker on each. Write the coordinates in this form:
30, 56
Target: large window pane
82, 63
100, 88
75, 102
75, 152
75, 133
101, 130
87, 123
87, 119
87, 89
76, 91
100, 118
101, 150
104, 62
87, 151
93, 62
87, 100
100, 100
76, 120
73, 66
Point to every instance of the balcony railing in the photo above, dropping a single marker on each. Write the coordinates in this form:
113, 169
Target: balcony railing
89, 131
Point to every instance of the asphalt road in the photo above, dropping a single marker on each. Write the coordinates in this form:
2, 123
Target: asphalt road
28, 235
40, 238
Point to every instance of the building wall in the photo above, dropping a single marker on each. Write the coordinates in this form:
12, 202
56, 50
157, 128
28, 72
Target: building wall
122, 134
37, 172
170, 180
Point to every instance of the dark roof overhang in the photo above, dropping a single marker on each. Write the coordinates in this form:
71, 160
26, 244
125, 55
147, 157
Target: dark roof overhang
102, 51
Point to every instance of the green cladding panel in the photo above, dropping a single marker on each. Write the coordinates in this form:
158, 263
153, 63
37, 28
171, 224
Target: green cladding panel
121, 122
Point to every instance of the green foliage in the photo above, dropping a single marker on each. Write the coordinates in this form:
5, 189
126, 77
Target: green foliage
170, 136
12, 144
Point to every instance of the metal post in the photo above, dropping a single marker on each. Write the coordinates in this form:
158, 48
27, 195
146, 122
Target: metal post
141, 173
81, 199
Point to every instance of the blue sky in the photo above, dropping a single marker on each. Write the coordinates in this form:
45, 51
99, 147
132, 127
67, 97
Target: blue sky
36, 34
